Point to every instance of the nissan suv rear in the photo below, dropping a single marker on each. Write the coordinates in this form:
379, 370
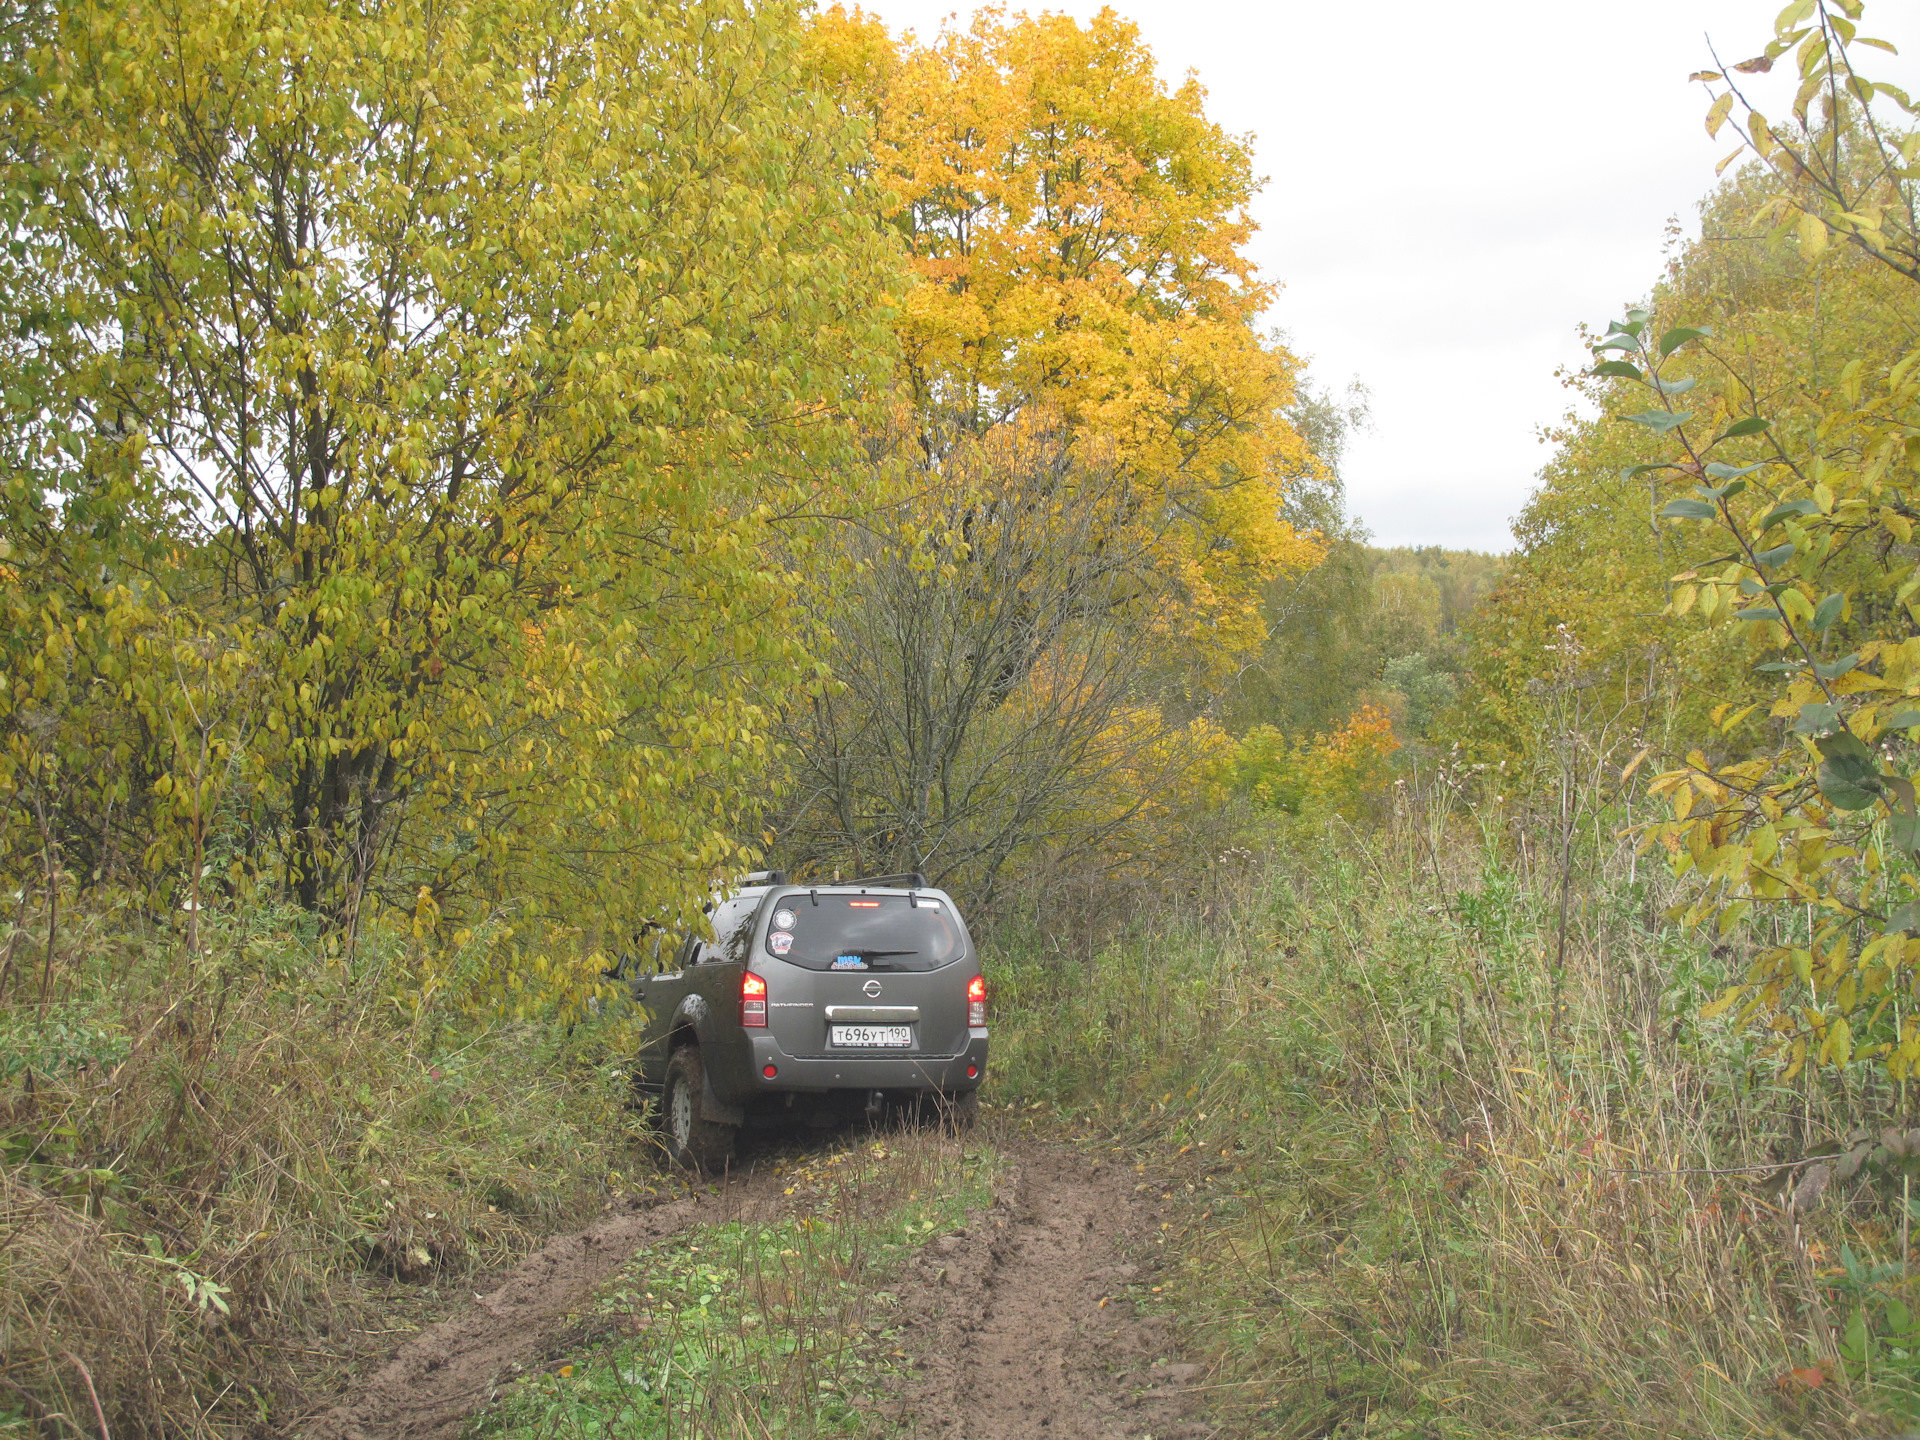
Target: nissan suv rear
810, 1002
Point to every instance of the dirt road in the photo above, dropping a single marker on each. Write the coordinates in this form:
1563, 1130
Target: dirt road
1022, 1327
1004, 1323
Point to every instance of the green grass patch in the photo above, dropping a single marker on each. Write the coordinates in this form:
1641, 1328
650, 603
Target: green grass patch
777, 1328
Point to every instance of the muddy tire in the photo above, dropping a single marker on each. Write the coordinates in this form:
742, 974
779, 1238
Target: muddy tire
692, 1143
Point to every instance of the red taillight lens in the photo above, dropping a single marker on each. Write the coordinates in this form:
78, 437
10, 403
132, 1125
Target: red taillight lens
753, 999
977, 1001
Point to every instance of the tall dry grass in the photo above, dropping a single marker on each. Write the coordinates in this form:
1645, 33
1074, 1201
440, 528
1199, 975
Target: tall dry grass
214, 1162
1461, 1157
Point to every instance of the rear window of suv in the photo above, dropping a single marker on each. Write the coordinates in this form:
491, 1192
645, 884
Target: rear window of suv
865, 932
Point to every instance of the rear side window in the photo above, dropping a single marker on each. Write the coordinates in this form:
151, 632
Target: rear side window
733, 927
865, 932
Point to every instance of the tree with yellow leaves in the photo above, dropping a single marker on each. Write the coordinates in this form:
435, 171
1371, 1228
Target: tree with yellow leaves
1091, 429
1077, 232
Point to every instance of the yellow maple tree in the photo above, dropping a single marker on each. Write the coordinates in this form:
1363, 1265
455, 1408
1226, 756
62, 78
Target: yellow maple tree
1077, 234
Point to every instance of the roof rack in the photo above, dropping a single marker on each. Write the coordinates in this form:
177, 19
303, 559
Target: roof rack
912, 880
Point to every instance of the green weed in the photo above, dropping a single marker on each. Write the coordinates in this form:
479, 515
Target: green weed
778, 1328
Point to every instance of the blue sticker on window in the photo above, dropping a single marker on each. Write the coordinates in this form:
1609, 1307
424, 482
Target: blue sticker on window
848, 962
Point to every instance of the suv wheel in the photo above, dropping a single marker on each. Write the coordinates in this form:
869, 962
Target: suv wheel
692, 1142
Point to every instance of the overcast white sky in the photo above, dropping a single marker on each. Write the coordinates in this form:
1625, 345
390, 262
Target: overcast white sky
1451, 190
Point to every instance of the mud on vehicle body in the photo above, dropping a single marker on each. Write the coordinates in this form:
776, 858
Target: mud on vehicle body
810, 1004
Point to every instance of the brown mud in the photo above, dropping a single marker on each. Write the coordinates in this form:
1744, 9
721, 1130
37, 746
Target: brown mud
1004, 1322
1021, 1326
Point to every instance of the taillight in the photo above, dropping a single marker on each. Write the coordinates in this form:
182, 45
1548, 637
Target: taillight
753, 999
977, 1001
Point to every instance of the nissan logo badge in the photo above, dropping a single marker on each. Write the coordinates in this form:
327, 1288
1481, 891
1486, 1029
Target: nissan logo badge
871, 989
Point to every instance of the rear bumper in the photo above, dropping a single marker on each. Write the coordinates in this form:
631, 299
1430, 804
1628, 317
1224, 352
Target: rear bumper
868, 1071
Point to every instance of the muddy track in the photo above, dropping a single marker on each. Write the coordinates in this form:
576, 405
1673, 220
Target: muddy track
451, 1369
1011, 1338
1004, 1319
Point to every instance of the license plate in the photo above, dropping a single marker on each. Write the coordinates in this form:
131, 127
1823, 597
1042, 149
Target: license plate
888, 1037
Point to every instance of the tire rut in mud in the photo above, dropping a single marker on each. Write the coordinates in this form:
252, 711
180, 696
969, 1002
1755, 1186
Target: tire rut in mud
1003, 1321
451, 1369
1011, 1339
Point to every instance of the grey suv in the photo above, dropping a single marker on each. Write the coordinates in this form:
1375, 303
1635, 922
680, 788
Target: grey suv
811, 1002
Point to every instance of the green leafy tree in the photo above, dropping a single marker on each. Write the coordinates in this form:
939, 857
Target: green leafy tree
1594, 553
1797, 495
462, 357
1369, 624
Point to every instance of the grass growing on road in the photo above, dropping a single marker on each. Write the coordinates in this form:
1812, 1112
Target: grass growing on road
762, 1328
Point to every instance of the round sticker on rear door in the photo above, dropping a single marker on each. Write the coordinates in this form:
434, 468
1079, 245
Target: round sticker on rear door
779, 942
783, 919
